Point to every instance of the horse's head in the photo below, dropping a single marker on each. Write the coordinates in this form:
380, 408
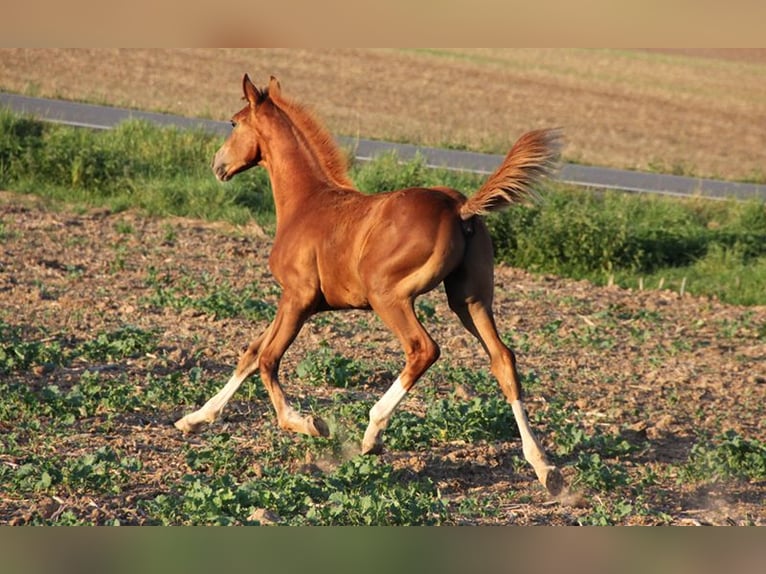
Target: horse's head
242, 149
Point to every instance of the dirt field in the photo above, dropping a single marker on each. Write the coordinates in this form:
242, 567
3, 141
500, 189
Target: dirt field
697, 112
657, 370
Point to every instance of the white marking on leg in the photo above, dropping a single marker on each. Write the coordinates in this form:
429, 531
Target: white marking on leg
381, 412
212, 409
546, 473
529, 444
216, 404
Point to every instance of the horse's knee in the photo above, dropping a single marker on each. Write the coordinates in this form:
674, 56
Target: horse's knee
423, 354
268, 365
248, 362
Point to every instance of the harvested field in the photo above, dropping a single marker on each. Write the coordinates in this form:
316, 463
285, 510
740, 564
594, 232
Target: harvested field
697, 112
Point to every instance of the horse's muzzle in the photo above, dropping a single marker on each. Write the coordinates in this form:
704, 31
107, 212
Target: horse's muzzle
220, 172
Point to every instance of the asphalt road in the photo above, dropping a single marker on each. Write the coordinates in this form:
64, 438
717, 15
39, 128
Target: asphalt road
105, 117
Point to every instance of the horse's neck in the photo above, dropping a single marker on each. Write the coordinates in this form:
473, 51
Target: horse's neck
296, 174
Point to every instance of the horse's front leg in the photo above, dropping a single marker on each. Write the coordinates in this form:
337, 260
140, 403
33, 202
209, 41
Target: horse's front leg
291, 315
212, 409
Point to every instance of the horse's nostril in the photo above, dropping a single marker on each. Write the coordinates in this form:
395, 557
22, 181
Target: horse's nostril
220, 171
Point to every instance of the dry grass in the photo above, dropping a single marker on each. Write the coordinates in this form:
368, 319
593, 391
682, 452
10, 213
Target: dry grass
699, 112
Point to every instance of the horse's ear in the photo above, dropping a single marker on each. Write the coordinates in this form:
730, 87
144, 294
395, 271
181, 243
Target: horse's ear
274, 88
252, 94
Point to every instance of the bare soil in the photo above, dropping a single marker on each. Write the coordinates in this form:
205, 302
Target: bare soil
698, 112
652, 366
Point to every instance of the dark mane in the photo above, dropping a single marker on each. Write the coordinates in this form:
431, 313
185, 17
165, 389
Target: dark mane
319, 139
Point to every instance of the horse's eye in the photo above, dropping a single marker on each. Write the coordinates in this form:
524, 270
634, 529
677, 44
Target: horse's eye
233, 123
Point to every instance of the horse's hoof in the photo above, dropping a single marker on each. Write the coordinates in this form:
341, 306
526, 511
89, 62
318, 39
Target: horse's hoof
553, 481
185, 426
372, 447
318, 427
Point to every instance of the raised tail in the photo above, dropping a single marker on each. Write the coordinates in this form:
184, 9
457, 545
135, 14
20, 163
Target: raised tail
534, 156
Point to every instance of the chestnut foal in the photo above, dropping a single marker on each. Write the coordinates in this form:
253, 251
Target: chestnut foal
336, 248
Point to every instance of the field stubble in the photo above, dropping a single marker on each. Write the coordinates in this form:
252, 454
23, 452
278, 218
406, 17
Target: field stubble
652, 402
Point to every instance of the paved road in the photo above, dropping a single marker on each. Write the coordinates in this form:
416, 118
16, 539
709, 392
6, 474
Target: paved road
104, 117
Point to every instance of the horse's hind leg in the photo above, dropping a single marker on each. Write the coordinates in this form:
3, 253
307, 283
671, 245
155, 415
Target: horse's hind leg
211, 410
476, 315
421, 352
469, 291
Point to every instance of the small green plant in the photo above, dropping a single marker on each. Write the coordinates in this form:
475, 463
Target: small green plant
197, 500
123, 227
124, 342
101, 470
571, 438
19, 350
362, 491
324, 366
218, 298
453, 419
608, 513
219, 455
170, 235
425, 310
597, 475
727, 456
104, 470
366, 491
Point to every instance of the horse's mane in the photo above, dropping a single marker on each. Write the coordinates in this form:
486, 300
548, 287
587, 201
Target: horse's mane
322, 144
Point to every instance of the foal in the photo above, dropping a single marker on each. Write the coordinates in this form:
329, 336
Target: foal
336, 248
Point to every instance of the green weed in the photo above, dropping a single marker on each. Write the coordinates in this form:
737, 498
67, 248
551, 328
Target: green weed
727, 456
217, 456
362, 491
218, 298
103, 470
608, 513
368, 492
125, 342
453, 419
21, 348
324, 366
19, 351
594, 473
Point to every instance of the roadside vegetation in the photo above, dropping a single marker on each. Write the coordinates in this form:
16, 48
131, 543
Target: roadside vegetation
703, 247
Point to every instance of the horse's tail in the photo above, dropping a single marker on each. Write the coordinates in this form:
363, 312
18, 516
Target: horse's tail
534, 156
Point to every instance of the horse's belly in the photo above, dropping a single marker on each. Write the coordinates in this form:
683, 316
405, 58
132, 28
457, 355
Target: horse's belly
343, 294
